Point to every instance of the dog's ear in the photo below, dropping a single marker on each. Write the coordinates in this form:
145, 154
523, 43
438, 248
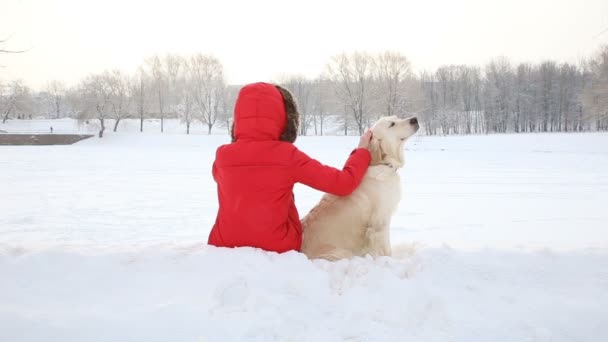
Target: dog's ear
375, 149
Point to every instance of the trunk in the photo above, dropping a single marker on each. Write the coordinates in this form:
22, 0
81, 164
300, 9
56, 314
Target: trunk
579, 123
160, 110
345, 121
116, 124
321, 126
103, 128
210, 126
58, 108
360, 122
8, 112
188, 127
141, 104
303, 125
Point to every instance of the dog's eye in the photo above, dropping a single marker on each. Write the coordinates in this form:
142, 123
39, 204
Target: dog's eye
392, 124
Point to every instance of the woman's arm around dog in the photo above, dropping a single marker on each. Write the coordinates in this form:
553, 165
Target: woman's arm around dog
324, 178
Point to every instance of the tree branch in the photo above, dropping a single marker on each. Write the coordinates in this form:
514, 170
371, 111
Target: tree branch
12, 51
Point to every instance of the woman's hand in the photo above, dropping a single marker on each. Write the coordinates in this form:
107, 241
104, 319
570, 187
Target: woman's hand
365, 139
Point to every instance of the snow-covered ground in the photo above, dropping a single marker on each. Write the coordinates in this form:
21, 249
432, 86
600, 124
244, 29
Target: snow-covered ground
68, 125
498, 238
151, 126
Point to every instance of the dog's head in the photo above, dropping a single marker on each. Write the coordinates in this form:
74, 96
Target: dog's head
389, 136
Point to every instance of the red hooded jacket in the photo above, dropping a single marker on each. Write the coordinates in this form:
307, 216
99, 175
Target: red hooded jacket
255, 176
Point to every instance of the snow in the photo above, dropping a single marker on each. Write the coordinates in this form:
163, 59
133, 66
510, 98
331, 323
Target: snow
198, 293
67, 125
497, 238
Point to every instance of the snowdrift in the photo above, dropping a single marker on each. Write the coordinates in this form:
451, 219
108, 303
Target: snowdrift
193, 292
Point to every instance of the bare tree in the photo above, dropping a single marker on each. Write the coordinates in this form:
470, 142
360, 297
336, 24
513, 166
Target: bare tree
568, 99
120, 95
321, 103
548, 73
448, 98
55, 93
498, 89
391, 70
302, 89
595, 97
586, 84
16, 99
184, 95
232, 92
469, 84
524, 98
209, 88
159, 76
429, 90
352, 75
6, 102
173, 65
185, 108
141, 92
96, 94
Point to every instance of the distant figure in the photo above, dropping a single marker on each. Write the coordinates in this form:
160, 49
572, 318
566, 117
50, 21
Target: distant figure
51, 129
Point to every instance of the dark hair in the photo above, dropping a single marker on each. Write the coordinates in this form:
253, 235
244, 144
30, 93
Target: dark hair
290, 133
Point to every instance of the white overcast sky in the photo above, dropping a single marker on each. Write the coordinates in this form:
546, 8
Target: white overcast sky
260, 40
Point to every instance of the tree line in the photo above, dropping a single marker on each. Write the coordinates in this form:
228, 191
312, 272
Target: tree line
351, 93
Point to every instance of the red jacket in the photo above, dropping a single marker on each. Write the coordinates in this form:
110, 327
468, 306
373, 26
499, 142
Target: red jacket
255, 176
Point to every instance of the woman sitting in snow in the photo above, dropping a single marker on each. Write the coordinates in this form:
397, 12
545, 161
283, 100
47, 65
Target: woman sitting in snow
255, 174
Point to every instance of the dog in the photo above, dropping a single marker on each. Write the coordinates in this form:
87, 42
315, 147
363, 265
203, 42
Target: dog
358, 224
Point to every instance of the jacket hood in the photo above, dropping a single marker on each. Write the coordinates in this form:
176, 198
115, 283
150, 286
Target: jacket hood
259, 113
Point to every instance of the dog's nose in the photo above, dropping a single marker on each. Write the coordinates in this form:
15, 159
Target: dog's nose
414, 121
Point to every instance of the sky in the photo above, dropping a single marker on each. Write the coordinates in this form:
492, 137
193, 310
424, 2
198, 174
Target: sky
263, 40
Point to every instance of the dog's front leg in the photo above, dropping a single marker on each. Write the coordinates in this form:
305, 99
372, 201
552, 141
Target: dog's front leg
378, 240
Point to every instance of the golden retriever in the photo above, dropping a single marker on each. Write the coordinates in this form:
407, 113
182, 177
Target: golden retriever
358, 224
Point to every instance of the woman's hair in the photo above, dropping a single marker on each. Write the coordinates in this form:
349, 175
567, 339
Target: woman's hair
290, 133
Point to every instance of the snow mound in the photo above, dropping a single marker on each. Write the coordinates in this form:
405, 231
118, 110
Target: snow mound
194, 292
